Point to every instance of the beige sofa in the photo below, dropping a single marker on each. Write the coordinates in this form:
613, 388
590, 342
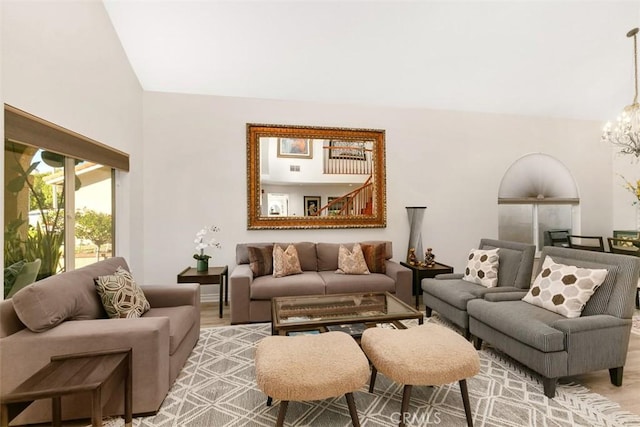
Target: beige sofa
251, 297
67, 313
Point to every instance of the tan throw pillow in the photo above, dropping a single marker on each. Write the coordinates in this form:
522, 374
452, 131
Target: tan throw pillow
121, 296
285, 262
261, 260
564, 289
375, 256
351, 262
482, 267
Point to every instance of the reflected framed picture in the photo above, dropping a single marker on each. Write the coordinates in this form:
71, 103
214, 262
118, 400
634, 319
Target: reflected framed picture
295, 147
311, 205
350, 150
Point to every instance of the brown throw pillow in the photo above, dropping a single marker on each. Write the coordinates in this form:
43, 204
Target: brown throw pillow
261, 260
375, 256
121, 296
285, 262
351, 262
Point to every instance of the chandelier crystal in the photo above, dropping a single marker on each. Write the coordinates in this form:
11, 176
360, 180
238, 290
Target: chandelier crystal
625, 132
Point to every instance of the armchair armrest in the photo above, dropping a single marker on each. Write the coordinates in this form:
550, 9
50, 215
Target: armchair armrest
589, 323
172, 295
449, 276
505, 296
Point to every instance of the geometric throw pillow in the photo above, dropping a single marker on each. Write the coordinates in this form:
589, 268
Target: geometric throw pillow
375, 255
120, 295
482, 267
285, 262
564, 289
261, 260
351, 262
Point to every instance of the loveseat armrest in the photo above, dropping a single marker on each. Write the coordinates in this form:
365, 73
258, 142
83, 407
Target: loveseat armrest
172, 295
403, 277
240, 281
589, 323
449, 276
505, 296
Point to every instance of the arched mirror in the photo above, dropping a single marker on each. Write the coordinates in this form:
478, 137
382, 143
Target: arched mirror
315, 177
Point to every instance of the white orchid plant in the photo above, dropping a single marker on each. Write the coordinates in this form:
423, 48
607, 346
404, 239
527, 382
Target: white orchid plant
202, 242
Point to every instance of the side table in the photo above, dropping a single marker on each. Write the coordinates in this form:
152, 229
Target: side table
73, 373
420, 273
213, 276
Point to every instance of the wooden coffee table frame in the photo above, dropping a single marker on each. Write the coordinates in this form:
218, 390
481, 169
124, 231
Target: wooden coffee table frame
283, 328
69, 374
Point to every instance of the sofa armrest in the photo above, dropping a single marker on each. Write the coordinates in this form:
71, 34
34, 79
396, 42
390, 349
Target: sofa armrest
589, 323
148, 337
240, 293
449, 276
172, 295
403, 277
515, 295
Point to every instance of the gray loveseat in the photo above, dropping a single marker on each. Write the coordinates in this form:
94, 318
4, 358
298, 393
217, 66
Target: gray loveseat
449, 295
251, 297
556, 346
67, 313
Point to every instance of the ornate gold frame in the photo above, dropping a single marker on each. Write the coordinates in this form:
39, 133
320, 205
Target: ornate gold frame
256, 221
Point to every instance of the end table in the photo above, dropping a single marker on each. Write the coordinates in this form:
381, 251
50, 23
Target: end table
420, 273
213, 276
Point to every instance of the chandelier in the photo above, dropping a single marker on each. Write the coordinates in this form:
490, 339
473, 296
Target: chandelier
625, 133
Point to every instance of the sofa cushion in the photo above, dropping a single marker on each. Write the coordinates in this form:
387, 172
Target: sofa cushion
343, 283
181, 320
261, 260
456, 292
524, 322
242, 251
68, 296
564, 289
388, 246
306, 254
120, 295
375, 257
482, 267
351, 261
285, 261
267, 287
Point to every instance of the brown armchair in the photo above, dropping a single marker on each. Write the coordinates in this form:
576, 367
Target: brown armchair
586, 243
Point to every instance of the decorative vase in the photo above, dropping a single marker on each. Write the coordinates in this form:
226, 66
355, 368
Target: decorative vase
203, 265
416, 216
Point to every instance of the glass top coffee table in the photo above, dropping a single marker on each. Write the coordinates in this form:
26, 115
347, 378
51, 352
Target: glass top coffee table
321, 313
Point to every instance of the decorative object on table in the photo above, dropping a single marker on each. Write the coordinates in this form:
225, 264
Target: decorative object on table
201, 244
411, 257
626, 132
416, 216
429, 258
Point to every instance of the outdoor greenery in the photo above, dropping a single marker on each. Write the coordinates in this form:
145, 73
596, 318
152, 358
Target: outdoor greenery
94, 226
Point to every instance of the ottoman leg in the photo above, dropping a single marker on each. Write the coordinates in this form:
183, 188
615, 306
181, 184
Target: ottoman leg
269, 400
352, 410
281, 413
465, 401
406, 397
372, 382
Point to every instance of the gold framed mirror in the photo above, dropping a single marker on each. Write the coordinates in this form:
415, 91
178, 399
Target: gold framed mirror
315, 177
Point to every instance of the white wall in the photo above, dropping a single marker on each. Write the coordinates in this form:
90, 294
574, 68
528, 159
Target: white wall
62, 61
452, 162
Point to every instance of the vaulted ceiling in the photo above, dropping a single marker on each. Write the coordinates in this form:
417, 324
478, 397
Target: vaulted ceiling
544, 58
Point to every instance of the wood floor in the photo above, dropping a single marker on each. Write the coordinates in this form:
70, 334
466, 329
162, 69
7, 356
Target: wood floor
598, 382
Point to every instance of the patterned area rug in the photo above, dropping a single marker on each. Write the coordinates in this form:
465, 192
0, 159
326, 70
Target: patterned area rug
217, 388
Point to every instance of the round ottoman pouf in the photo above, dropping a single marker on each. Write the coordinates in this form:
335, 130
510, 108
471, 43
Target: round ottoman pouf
310, 367
425, 355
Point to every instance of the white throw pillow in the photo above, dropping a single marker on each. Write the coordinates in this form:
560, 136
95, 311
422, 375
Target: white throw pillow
351, 262
564, 289
482, 267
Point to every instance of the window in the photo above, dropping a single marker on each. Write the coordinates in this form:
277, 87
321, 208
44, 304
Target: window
44, 183
537, 194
